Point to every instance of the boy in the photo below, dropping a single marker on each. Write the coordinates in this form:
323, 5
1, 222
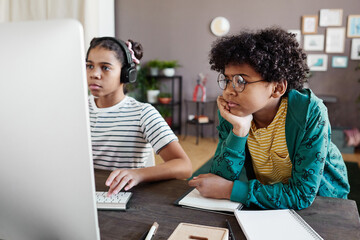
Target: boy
274, 149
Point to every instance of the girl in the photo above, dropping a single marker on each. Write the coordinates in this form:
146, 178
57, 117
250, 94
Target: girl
275, 149
125, 131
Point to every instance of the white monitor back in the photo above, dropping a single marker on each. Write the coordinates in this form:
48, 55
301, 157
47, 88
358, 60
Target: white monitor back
46, 170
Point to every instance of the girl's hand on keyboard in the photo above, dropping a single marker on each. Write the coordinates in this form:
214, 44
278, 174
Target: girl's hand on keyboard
122, 178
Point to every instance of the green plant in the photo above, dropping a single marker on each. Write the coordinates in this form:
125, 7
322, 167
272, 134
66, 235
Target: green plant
154, 63
152, 84
164, 111
170, 64
164, 95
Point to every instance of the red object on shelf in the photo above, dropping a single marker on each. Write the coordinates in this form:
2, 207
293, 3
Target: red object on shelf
164, 100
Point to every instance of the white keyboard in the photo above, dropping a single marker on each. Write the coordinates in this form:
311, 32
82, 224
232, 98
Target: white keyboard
114, 202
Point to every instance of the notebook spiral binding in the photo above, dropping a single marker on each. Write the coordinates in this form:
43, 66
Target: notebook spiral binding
308, 228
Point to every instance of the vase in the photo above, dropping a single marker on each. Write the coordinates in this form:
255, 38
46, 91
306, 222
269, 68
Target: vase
169, 72
154, 71
152, 96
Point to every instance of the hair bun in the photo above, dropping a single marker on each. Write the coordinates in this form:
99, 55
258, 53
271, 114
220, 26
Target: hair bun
137, 48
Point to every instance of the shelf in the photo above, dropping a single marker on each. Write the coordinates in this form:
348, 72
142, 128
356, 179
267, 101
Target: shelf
196, 122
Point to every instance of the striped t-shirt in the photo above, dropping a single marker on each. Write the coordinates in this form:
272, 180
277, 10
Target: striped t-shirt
123, 135
268, 149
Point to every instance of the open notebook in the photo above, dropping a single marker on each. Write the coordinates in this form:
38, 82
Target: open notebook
193, 199
274, 224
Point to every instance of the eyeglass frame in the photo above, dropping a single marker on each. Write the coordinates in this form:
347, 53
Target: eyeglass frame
243, 82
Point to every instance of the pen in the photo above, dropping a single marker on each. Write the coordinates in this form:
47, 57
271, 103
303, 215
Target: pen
231, 234
152, 231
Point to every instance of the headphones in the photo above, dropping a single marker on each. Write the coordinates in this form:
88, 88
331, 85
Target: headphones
128, 70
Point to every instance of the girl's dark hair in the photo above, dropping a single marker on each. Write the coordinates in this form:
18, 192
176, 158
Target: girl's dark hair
272, 52
112, 45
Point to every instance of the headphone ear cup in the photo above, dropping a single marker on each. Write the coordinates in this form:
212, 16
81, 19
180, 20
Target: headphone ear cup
128, 74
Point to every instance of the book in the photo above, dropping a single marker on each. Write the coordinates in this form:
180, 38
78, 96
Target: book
274, 224
114, 202
193, 199
195, 231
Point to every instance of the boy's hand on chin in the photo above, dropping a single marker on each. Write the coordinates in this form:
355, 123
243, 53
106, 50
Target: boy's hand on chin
241, 125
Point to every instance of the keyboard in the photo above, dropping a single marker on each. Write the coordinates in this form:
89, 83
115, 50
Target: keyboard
114, 202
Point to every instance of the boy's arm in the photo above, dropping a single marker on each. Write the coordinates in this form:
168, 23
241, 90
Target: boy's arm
307, 170
229, 157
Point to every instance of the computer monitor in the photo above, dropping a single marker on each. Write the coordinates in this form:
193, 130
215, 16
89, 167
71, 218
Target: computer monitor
46, 171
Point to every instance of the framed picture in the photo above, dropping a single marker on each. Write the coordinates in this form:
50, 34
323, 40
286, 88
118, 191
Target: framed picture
339, 62
355, 49
330, 17
353, 27
314, 42
297, 34
309, 24
317, 62
335, 40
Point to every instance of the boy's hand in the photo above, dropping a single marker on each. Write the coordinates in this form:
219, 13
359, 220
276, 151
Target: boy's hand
241, 125
124, 178
212, 186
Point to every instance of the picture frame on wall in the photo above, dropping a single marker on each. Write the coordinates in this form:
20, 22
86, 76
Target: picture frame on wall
355, 49
309, 24
335, 40
330, 17
339, 62
314, 42
317, 62
353, 26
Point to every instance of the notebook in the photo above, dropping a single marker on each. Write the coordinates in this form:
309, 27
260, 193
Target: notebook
193, 199
275, 224
114, 202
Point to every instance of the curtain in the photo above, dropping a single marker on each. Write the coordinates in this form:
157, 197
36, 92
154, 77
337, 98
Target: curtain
85, 11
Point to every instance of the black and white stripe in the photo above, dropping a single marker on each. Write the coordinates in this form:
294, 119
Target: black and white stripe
123, 135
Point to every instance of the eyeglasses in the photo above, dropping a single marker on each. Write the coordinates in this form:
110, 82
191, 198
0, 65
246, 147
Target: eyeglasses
238, 82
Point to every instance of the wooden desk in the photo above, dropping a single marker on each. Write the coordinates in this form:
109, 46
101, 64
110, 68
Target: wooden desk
332, 218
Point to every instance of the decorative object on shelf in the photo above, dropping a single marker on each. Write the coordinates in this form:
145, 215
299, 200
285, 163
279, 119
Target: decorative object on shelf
164, 98
330, 17
154, 66
200, 83
166, 113
152, 96
335, 40
219, 26
309, 24
353, 27
355, 49
314, 42
339, 62
168, 67
152, 86
317, 62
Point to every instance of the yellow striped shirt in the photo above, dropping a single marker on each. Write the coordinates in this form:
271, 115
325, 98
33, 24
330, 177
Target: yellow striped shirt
268, 149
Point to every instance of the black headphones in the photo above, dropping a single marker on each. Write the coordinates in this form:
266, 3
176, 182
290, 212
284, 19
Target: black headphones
128, 71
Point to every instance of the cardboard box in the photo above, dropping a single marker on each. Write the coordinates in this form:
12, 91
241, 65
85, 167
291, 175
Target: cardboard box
201, 232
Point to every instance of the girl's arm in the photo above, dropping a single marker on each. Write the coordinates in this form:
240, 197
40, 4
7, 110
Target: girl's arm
176, 165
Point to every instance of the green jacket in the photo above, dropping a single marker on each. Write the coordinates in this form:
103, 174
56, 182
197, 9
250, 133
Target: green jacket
317, 164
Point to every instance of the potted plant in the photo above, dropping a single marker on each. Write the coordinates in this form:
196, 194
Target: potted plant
169, 67
164, 97
154, 66
152, 86
166, 113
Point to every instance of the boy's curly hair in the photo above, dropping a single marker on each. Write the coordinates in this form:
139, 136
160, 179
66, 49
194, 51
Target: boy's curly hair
272, 52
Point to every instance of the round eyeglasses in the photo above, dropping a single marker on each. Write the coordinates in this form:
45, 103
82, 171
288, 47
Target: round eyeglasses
238, 82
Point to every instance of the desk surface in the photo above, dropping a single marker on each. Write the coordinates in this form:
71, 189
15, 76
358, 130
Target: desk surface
332, 218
